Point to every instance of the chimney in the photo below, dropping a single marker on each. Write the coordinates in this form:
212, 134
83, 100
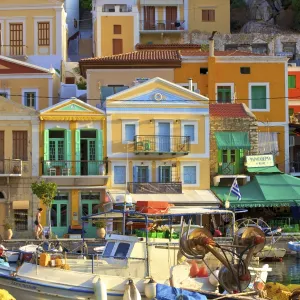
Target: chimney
190, 84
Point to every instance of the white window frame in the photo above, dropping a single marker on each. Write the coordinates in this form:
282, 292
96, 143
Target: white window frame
267, 85
231, 84
190, 164
142, 164
129, 122
195, 123
36, 36
186, 84
36, 91
118, 164
7, 91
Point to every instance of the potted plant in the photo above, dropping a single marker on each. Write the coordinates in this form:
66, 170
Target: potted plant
101, 225
8, 226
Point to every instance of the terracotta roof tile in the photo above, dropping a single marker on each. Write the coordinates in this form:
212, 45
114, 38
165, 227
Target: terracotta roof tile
218, 53
231, 110
137, 57
166, 46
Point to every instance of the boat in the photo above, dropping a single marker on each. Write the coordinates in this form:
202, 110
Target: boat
294, 246
270, 252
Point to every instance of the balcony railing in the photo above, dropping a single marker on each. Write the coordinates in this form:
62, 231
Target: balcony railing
295, 167
155, 187
11, 167
162, 25
117, 8
13, 50
161, 144
74, 168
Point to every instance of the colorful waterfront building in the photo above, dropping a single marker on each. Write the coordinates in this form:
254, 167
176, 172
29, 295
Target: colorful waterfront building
294, 89
34, 31
72, 154
119, 26
158, 144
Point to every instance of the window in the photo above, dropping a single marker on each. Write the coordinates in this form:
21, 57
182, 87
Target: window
122, 250
141, 174
224, 94
189, 130
43, 33
117, 29
259, 97
292, 81
21, 219
129, 132
208, 15
30, 99
117, 46
2, 195
108, 249
189, 175
16, 39
119, 174
56, 145
268, 143
20, 145
165, 174
203, 71
245, 70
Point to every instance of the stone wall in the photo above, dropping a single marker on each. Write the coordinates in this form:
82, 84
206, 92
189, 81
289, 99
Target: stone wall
231, 124
16, 189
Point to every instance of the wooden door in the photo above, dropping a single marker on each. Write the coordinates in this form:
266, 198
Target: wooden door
149, 18
16, 39
1, 152
117, 46
171, 17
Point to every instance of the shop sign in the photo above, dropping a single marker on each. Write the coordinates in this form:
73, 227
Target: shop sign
256, 161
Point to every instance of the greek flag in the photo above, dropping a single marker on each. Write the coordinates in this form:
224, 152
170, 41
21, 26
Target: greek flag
235, 190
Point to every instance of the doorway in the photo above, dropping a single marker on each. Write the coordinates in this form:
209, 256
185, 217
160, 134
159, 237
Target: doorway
60, 220
88, 164
164, 130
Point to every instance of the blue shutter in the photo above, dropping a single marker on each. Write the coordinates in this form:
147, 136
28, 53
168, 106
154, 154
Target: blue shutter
135, 174
67, 145
189, 175
160, 175
148, 174
99, 145
129, 132
119, 175
77, 151
189, 130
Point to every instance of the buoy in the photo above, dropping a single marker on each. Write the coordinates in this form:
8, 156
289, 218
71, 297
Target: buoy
194, 269
99, 289
213, 278
131, 292
150, 289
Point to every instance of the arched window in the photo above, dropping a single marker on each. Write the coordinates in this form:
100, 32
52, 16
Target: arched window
2, 195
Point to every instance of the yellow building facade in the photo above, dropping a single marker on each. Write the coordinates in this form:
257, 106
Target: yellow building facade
35, 32
19, 144
260, 82
28, 84
72, 154
158, 144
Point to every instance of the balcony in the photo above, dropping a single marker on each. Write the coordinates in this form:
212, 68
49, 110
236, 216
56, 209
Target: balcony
107, 8
81, 172
162, 26
16, 51
10, 168
155, 187
160, 144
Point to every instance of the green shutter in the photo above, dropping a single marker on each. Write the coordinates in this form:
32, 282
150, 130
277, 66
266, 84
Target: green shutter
46, 144
258, 98
67, 144
77, 151
219, 168
99, 145
292, 81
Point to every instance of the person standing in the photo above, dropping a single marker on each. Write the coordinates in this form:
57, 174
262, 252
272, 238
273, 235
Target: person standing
38, 225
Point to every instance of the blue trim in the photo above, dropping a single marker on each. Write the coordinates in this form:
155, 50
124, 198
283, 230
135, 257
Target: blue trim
55, 286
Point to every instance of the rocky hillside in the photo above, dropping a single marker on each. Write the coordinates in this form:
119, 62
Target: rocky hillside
265, 16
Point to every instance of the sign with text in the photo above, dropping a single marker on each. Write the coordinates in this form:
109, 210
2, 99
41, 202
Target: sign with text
256, 161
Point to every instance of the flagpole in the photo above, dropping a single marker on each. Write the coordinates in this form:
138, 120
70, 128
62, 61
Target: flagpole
227, 203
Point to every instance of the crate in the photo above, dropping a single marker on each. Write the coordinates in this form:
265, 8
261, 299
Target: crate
152, 207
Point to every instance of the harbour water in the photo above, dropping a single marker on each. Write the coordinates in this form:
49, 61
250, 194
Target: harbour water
285, 272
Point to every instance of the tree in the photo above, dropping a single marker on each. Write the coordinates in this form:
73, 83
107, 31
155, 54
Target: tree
45, 191
86, 4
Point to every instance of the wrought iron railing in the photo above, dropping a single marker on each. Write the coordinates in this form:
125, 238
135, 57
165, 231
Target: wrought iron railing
154, 187
13, 50
230, 168
161, 25
74, 167
161, 144
295, 166
11, 166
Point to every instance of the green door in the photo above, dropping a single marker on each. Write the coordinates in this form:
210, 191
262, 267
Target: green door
92, 163
59, 216
230, 162
90, 204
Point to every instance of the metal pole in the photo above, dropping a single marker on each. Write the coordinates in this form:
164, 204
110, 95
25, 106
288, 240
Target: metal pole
124, 208
92, 263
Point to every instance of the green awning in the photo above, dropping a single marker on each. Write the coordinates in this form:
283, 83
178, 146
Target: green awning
266, 190
264, 170
232, 140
